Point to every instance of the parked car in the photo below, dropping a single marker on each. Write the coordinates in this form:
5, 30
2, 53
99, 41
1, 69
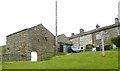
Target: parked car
74, 49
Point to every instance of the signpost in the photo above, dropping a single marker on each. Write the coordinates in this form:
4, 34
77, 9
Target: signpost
102, 40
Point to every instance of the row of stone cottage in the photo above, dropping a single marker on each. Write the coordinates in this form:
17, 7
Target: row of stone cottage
94, 36
39, 39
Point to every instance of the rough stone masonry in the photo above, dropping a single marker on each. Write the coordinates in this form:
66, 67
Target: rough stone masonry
22, 43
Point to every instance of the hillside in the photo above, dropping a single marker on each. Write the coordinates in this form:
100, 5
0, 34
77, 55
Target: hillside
82, 60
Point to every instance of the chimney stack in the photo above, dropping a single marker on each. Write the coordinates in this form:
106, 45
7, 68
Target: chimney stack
97, 26
72, 34
116, 21
81, 31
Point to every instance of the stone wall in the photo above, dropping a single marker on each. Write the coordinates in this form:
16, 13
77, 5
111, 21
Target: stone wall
76, 41
86, 39
18, 42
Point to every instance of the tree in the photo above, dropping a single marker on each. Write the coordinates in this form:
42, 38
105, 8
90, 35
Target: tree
116, 41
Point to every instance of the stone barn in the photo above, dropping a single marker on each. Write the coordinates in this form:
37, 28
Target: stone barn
63, 43
35, 39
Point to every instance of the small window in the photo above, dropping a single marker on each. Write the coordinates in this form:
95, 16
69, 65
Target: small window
46, 38
7, 48
98, 36
81, 39
38, 40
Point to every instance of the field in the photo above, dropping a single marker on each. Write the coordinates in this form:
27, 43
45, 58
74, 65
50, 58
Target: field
82, 60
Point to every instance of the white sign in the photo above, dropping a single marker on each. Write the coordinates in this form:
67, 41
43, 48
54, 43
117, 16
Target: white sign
33, 56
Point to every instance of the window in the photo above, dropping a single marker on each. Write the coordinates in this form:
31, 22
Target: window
98, 36
97, 45
38, 40
7, 48
46, 38
81, 39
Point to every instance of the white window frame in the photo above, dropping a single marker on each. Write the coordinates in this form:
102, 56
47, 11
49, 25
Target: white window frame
81, 39
98, 36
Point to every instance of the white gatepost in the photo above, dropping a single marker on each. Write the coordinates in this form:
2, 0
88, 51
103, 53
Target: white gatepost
33, 56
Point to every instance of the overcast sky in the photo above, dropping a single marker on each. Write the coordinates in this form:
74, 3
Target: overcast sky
73, 15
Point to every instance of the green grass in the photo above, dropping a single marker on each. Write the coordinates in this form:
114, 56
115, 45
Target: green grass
83, 60
1, 49
0, 66
115, 49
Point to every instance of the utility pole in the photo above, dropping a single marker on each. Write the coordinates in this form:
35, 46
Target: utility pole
102, 40
56, 43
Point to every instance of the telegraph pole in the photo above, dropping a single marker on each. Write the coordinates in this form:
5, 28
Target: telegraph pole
56, 25
102, 40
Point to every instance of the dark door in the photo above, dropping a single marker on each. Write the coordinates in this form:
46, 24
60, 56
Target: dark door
61, 48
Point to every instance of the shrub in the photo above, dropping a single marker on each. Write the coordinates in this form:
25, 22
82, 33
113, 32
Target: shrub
107, 47
116, 41
90, 46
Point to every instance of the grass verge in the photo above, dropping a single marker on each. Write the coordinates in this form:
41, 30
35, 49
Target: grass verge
82, 60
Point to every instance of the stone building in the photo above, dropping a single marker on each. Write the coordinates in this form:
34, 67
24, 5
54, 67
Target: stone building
63, 43
75, 40
82, 39
94, 36
85, 41
36, 38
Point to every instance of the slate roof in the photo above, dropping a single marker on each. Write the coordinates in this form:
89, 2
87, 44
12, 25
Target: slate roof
95, 30
62, 38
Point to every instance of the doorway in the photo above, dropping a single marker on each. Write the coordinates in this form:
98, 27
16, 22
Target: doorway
61, 48
34, 56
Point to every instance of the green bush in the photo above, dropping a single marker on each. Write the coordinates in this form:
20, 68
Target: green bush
90, 46
116, 41
107, 47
